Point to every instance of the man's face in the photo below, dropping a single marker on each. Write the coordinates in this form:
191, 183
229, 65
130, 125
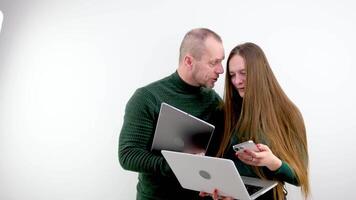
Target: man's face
206, 71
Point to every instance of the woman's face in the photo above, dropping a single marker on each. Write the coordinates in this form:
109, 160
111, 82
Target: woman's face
238, 73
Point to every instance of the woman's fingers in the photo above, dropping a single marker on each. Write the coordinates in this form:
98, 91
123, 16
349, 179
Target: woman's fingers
203, 194
215, 194
262, 147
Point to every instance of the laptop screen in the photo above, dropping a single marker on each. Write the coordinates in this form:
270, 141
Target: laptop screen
177, 130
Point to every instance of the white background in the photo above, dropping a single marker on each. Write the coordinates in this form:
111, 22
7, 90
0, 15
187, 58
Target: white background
67, 69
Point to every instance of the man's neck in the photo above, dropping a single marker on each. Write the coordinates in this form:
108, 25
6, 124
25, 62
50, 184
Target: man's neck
185, 76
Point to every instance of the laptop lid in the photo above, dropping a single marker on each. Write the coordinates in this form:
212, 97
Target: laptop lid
204, 173
177, 130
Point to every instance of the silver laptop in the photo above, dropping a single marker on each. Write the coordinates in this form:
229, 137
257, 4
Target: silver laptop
179, 131
204, 173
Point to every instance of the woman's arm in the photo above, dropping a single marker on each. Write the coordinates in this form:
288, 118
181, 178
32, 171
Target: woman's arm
275, 168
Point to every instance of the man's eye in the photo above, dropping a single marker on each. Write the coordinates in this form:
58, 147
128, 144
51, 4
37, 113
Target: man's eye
215, 62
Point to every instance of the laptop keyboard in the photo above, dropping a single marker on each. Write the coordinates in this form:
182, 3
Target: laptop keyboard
251, 189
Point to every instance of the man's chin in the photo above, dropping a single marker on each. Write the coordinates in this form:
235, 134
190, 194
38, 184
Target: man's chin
210, 86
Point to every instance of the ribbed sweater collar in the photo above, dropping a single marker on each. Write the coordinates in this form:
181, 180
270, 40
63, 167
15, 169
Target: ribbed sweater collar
183, 86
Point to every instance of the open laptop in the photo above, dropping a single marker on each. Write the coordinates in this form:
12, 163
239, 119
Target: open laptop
204, 173
177, 130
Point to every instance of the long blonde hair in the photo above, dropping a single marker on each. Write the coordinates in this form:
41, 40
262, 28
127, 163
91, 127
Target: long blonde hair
265, 115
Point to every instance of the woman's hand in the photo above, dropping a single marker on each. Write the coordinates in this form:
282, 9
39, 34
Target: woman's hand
264, 157
214, 195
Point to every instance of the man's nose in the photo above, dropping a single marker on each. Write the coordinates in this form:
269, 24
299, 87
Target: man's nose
219, 69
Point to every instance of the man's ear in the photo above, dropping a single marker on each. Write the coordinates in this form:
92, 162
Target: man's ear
188, 61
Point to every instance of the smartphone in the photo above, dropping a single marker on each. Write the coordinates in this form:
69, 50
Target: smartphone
245, 145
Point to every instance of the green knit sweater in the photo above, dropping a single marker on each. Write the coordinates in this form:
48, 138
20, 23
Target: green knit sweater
156, 180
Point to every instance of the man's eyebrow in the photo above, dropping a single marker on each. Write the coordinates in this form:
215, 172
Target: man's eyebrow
218, 59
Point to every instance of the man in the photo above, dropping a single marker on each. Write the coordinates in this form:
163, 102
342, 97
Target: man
189, 89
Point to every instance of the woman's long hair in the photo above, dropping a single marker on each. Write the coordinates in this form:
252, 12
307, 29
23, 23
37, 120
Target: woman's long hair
265, 115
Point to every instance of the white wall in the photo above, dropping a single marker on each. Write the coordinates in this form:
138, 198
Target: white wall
1, 17
67, 69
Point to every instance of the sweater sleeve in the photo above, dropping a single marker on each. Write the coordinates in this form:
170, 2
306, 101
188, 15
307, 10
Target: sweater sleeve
136, 136
284, 173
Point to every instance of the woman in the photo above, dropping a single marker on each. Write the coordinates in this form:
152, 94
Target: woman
256, 108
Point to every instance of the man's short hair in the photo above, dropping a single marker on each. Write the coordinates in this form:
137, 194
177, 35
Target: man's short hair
194, 42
